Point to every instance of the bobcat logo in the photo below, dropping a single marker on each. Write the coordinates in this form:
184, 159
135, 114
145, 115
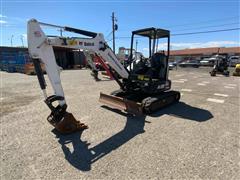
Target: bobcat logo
37, 34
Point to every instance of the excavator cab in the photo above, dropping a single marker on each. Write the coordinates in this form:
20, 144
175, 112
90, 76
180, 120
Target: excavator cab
151, 74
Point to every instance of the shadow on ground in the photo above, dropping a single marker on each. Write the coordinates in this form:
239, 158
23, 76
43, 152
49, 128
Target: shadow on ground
185, 111
81, 157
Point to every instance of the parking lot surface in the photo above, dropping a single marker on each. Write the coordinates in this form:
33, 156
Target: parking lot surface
195, 138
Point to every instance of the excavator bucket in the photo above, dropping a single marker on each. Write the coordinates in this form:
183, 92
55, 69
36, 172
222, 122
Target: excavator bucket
122, 104
68, 124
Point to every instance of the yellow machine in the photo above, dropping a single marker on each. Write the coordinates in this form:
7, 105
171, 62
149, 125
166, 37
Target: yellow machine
237, 70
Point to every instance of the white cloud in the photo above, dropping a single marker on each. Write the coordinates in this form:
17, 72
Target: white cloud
192, 45
11, 21
24, 36
3, 22
2, 16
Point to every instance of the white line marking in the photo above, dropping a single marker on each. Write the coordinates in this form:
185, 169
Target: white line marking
84, 118
229, 87
186, 90
231, 84
215, 100
205, 82
201, 84
183, 79
179, 75
176, 81
223, 95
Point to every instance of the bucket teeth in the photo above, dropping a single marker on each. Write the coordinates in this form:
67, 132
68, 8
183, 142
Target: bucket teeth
68, 124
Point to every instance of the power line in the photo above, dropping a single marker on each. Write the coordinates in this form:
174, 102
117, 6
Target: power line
213, 20
109, 34
188, 33
198, 22
110, 40
202, 32
108, 31
203, 27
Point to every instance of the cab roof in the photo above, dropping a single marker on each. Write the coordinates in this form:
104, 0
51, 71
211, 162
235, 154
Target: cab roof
149, 32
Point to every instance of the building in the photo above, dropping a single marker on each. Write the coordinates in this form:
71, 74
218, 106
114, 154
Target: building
68, 58
15, 59
199, 53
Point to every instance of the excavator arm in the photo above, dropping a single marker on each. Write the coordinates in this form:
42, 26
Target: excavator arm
40, 48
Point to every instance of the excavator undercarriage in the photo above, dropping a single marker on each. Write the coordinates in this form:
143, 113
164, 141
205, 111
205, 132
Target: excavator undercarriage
139, 104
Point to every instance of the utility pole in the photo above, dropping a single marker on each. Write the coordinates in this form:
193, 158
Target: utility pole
22, 40
61, 32
136, 44
136, 49
11, 40
114, 28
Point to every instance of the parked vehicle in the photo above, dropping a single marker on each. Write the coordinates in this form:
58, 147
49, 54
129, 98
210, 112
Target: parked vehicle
171, 65
207, 62
233, 61
190, 63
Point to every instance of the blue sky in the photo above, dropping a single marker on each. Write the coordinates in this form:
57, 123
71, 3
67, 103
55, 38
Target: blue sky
177, 16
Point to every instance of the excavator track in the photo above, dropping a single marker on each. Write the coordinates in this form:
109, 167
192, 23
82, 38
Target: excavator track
155, 103
138, 104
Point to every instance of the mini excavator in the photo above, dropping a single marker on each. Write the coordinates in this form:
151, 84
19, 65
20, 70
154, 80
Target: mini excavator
220, 66
144, 86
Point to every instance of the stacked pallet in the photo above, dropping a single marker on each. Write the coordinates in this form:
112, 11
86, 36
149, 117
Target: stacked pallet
8, 61
17, 61
29, 69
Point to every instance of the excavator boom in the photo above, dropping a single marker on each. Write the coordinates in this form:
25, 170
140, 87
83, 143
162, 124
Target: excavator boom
41, 51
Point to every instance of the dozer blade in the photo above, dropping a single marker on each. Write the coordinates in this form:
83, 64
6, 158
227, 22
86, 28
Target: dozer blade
122, 104
68, 124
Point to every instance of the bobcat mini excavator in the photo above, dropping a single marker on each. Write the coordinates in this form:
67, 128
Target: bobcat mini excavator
144, 87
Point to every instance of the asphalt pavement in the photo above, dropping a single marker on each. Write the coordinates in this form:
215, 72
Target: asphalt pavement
197, 138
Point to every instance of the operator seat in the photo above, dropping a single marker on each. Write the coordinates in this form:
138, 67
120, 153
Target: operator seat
158, 64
